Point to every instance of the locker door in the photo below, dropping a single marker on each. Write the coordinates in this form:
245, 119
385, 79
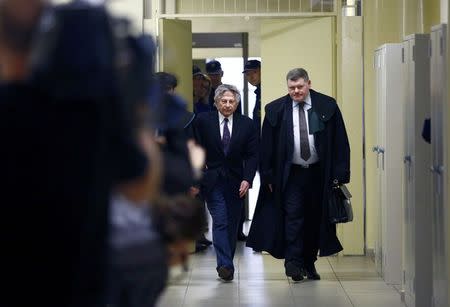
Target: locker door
381, 124
408, 238
439, 150
417, 214
379, 239
391, 162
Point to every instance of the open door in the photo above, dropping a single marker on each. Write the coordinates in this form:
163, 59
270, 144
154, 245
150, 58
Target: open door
175, 54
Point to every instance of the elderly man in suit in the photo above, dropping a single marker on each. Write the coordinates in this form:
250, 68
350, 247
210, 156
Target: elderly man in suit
231, 143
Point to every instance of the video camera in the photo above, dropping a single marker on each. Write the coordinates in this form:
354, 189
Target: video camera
81, 52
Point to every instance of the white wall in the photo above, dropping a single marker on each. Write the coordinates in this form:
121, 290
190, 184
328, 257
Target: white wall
444, 11
132, 9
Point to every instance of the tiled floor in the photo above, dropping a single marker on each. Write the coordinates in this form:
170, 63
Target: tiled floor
260, 281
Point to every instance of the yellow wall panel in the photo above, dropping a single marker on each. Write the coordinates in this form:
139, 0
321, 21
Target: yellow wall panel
175, 54
291, 43
352, 234
431, 14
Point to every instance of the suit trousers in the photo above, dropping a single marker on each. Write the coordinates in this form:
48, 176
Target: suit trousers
302, 208
225, 206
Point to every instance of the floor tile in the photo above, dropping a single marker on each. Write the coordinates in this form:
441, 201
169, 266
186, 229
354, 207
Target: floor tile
387, 300
260, 281
323, 301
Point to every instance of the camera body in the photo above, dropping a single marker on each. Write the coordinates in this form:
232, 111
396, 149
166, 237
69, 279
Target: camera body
82, 52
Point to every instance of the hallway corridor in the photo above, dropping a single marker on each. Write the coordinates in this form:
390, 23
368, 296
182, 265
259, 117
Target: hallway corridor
260, 282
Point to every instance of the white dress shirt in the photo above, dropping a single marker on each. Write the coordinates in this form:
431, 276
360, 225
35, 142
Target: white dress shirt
296, 159
222, 122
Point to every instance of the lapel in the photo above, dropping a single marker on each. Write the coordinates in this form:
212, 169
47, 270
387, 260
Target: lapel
290, 126
316, 126
321, 112
321, 106
236, 130
216, 130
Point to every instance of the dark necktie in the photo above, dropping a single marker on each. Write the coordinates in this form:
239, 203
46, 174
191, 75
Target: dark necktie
305, 152
226, 136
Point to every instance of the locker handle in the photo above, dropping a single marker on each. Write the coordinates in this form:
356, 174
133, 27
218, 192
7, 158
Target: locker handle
437, 169
381, 150
377, 150
407, 160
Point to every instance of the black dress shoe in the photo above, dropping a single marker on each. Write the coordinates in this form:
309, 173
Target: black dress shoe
225, 273
293, 271
242, 237
311, 273
204, 241
200, 247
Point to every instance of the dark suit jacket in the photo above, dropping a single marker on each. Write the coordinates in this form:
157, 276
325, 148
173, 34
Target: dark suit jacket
242, 159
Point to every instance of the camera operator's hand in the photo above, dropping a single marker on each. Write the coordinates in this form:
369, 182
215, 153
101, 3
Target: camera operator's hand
152, 150
194, 191
179, 252
161, 140
197, 157
147, 187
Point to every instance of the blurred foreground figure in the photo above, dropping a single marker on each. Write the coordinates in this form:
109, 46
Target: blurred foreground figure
65, 149
150, 236
176, 112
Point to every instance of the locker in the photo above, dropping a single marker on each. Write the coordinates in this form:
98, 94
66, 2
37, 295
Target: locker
389, 151
417, 267
439, 169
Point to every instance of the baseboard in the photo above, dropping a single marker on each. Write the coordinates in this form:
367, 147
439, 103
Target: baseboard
370, 252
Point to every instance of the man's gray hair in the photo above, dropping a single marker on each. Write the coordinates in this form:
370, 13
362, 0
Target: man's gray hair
297, 73
221, 89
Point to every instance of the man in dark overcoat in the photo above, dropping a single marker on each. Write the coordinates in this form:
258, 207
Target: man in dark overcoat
304, 152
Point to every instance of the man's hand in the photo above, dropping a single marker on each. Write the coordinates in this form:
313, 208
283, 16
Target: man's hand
270, 187
193, 191
243, 188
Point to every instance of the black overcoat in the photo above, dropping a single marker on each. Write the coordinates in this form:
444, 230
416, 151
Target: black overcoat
277, 147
